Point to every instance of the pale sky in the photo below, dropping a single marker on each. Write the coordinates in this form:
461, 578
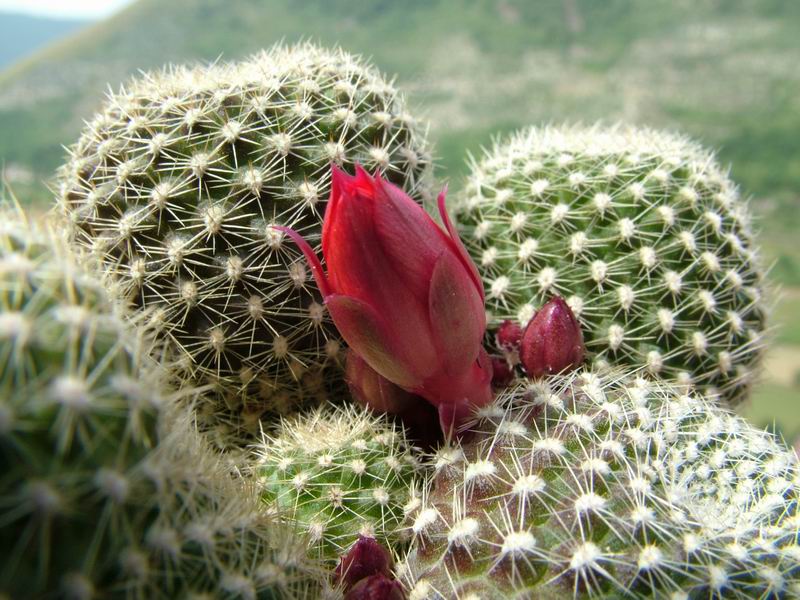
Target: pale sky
72, 9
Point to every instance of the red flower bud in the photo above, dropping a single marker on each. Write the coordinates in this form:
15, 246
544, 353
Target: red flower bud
365, 558
502, 373
403, 293
509, 336
376, 587
552, 341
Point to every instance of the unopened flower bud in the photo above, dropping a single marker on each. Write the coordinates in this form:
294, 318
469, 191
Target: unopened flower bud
552, 341
372, 390
364, 559
376, 587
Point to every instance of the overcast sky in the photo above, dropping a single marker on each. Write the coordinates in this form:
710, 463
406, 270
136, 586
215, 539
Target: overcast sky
72, 9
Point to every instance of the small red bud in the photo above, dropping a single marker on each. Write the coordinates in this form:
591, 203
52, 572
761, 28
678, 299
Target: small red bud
502, 373
552, 341
376, 587
509, 335
365, 558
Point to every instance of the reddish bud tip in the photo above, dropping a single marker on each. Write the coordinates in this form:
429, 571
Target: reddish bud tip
376, 587
552, 341
364, 559
509, 336
502, 373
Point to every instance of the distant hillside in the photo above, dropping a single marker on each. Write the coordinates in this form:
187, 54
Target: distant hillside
724, 71
22, 34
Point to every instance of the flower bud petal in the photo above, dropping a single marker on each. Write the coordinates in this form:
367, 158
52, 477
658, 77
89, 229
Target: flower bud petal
372, 390
552, 342
364, 558
457, 317
364, 331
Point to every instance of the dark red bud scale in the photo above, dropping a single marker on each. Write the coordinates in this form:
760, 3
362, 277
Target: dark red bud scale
364, 559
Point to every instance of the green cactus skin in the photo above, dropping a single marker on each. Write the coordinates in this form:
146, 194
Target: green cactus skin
643, 234
338, 473
584, 486
105, 489
176, 187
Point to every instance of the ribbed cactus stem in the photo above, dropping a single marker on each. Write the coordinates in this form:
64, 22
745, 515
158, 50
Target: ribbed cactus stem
177, 186
589, 486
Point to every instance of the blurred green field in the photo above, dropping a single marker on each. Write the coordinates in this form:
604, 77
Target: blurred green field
723, 71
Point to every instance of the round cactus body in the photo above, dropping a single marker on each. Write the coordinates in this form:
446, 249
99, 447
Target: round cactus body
338, 473
607, 487
177, 186
642, 233
106, 490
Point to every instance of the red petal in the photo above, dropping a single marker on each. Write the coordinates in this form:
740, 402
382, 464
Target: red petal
408, 237
459, 246
364, 331
458, 320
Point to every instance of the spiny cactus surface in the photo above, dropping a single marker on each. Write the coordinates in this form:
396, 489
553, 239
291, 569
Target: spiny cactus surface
338, 473
105, 491
607, 487
176, 187
644, 235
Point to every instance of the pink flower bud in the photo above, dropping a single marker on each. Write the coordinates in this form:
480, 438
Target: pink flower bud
509, 335
365, 558
552, 341
376, 587
403, 293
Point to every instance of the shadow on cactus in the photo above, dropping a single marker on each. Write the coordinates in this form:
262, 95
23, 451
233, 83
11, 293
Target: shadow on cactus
643, 234
106, 489
177, 186
587, 486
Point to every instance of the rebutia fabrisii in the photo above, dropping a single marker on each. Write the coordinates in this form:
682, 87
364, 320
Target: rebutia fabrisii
338, 473
106, 489
177, 186
640, 231
589, 486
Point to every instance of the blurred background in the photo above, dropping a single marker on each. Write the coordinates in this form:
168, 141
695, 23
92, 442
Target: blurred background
726, 72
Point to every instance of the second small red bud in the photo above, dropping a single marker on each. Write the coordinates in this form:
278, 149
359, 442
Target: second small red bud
552, 342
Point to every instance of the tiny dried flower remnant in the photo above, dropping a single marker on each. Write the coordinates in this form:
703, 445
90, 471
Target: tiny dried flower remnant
403, 293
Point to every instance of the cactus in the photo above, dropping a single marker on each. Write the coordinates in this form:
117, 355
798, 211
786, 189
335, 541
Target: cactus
585, 486
106, 490
338, 473
176, 187
641, 231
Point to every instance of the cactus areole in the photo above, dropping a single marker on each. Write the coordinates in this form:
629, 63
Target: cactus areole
403, 293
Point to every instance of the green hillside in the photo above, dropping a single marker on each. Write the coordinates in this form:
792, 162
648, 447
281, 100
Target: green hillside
22, 34
723, 71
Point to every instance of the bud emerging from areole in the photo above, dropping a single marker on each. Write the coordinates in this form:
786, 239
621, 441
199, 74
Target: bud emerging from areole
552, 342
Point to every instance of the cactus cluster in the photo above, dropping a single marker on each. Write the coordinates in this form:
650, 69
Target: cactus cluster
106, 491
177, 186
641, 231
337, 474
593, 486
